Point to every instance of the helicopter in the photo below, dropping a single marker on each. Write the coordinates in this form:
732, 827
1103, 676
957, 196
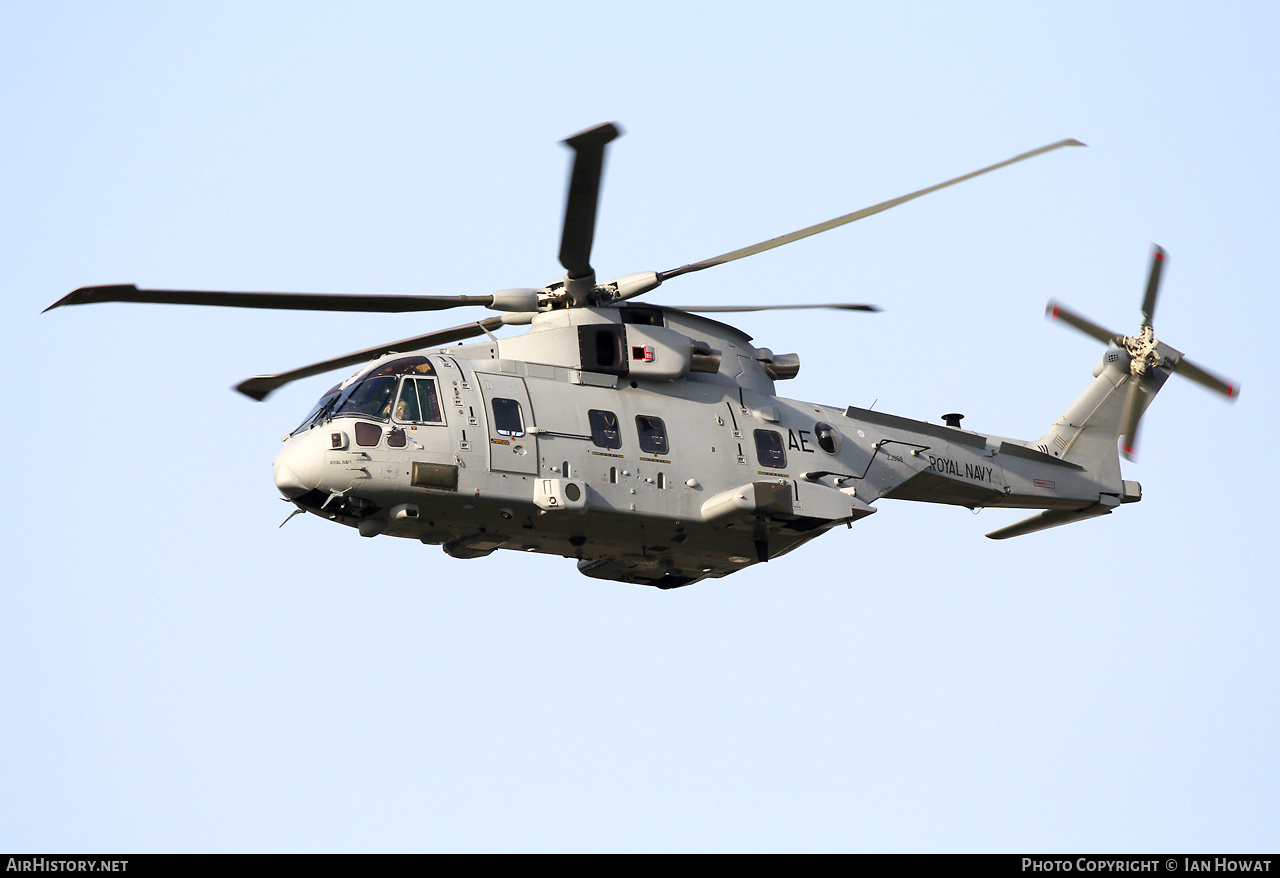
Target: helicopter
648, 442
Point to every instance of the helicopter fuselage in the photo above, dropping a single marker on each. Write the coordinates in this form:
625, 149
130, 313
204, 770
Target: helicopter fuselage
645, 442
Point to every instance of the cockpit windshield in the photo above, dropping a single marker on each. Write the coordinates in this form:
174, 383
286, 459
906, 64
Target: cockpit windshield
320, 412
370, 397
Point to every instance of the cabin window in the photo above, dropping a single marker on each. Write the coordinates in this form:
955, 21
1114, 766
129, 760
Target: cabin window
507, 418
653, 434
418, 402
604, 429
769, 449
828, 437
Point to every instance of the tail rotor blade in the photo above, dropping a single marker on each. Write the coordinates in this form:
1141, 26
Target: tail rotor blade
1158, 257
1205, 378
1133, 405
1058, 311
259, 387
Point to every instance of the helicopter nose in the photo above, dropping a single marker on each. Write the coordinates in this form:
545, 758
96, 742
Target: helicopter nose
298, 467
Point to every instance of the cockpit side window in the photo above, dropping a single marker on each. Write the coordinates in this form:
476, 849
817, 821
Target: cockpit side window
605, 432
407, 408
418, 402
653, 434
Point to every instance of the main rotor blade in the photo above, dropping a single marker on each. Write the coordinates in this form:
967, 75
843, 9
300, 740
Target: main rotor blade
1205, 378
1058, 311
1153, 284
850, 217
711, 309
1129, 417
260, 386
584, 192
280, 301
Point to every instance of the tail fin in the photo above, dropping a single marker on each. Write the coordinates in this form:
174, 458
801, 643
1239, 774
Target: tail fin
1086, 433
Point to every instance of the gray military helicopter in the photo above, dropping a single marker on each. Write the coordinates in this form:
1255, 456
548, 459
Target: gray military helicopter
648, 442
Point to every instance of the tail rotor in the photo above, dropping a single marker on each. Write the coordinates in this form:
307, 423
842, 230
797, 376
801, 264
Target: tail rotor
1147, 356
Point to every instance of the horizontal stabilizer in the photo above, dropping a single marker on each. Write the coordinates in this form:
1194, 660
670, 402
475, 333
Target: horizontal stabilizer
1047, 519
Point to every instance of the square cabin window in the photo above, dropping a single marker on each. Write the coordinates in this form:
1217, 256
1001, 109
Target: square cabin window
507, 419
653, 434
605, 430
770, 450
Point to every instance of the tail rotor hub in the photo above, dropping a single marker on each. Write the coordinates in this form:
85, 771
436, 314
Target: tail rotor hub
1142, 349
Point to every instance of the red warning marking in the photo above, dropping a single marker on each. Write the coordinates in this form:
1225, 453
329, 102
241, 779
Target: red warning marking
1045, 483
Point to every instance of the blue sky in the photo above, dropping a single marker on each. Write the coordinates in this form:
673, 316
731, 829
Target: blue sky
178, 674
